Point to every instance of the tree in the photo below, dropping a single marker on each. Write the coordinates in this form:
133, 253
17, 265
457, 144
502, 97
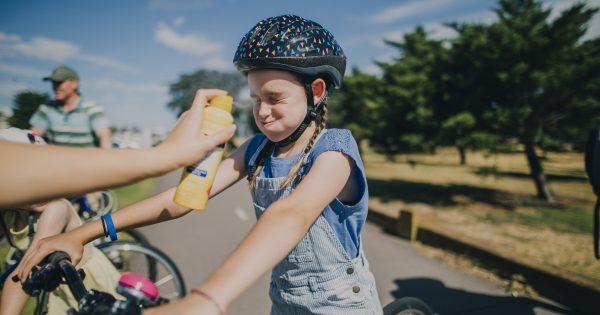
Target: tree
461, 91
539, 81
24, 105
184, 90
404, 118
355, 104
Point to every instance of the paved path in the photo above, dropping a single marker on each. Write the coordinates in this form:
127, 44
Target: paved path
199, 241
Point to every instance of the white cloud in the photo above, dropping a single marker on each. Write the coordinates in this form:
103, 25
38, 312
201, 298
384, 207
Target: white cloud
38, 47
411, 9
107, 63
193, 44
44, 48
487, 16
9, 89
190, 44
178, 21
21, 71
175, 5
107, 85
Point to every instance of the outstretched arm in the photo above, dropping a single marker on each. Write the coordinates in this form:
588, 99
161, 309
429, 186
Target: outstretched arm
279, 229
153, 210
83, 170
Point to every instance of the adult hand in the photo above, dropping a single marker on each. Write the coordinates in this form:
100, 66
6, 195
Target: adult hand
46, 246
192, 304
186, 142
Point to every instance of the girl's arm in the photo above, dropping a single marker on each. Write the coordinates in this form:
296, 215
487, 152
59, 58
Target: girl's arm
52, 221
230, 170
153, 210
13, 298
85, 169
279, 229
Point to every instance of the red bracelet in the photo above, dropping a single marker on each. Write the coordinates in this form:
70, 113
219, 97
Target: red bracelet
210, 298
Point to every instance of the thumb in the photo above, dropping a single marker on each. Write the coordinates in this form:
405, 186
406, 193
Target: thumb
220, 137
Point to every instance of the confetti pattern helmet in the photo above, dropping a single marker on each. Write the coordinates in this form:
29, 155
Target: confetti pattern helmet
292, 43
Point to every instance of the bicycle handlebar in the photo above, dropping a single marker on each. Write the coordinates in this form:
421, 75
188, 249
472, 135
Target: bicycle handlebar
57, 269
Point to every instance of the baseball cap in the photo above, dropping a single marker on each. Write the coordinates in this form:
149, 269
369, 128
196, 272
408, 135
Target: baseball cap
62, 73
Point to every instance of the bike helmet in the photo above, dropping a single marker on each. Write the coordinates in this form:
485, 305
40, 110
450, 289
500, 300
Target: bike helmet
290, 42
21, 136
293, 43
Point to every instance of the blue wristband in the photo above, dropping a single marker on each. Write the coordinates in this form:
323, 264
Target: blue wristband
110, 227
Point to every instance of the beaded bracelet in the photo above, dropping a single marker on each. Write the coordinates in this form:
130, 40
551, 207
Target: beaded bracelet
210, 298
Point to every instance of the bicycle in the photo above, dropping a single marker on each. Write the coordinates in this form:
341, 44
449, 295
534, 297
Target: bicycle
407, 306
129, 256
105, 201
126, 256
139, 293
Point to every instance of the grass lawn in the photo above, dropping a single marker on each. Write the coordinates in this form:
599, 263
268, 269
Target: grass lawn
493, 200
133, 193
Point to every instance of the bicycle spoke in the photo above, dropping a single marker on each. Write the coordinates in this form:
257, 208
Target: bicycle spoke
164, 280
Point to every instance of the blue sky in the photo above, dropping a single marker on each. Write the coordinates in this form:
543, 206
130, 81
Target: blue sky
127, 52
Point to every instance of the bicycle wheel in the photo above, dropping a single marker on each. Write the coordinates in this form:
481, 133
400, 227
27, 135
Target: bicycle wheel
133, 236
134, 257
407, 306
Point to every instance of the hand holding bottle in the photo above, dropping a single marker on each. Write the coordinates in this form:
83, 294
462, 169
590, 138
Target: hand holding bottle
187, 141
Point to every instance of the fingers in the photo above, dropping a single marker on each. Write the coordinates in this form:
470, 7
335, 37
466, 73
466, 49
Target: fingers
201, 99
220, 137
30, 260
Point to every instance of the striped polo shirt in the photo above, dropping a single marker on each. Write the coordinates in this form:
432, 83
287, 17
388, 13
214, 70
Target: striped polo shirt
74, 128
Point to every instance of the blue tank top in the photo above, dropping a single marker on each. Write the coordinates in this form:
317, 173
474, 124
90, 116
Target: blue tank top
346, 220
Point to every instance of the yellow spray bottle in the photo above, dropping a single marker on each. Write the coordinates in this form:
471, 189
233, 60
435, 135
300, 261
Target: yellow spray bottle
196, 181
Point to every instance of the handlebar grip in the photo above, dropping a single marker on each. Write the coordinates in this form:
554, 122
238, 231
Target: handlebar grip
57, 257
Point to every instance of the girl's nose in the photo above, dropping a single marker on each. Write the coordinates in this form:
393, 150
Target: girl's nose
263, 111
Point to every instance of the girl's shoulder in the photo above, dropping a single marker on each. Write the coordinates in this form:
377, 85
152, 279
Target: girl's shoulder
340, 140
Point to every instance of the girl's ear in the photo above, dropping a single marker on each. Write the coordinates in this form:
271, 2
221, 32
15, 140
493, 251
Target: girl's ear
319, 88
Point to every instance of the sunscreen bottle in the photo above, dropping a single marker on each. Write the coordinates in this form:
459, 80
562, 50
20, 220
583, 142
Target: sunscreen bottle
196, 181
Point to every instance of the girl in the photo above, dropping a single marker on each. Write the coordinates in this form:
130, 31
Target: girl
307, 183
29, 224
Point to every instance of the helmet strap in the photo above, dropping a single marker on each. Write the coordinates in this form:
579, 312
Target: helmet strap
313, 112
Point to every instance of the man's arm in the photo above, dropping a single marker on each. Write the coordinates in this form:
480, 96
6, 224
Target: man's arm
104, 137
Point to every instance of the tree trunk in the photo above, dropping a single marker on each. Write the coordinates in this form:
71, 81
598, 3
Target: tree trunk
462, 152
537, 173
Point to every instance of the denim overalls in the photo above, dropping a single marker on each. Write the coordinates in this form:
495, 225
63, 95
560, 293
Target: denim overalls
317, 276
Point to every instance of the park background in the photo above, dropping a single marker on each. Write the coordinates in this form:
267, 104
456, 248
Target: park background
476, 111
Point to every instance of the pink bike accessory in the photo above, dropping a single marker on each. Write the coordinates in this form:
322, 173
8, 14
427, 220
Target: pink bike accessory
140, 283
210, 298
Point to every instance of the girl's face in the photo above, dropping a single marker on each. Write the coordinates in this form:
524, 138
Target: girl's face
279, 102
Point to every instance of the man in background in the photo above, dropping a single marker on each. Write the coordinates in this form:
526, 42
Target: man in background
70, 119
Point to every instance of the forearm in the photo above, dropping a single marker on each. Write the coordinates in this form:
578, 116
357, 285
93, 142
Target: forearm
106, 143
153, 210
272, 238
13, 298
80, 170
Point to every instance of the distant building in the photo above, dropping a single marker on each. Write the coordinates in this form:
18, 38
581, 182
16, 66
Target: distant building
5, 114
